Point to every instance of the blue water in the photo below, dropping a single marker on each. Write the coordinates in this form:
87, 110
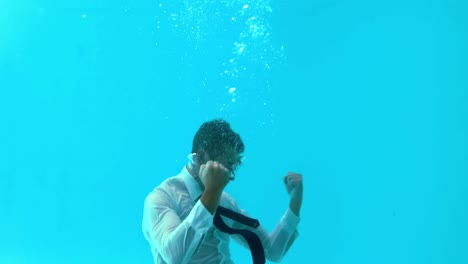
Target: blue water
99, 102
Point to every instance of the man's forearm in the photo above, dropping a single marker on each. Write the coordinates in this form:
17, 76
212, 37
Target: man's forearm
295, 206
210, 199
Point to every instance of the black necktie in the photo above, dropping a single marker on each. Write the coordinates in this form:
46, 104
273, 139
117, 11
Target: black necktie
255, 245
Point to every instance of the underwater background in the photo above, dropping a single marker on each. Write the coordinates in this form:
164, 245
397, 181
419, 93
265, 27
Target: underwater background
100, 100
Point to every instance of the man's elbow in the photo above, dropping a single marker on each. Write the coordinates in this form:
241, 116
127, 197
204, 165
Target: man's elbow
171, 257
168, 254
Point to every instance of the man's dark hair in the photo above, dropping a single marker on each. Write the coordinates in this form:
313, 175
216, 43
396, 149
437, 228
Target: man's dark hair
214, 136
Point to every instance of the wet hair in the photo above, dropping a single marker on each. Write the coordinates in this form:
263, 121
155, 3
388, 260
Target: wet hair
214, 136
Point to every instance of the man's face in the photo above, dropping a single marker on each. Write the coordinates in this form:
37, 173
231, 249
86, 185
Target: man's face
229, 158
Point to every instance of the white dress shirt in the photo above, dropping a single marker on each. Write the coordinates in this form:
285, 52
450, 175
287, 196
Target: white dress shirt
180, 229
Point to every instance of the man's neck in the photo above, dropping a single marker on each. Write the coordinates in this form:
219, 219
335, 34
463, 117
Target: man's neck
194, 174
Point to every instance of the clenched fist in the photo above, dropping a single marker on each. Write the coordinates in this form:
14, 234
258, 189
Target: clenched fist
293, 184
214, 176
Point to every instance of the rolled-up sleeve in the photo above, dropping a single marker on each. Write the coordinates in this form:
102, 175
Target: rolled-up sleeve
175, 240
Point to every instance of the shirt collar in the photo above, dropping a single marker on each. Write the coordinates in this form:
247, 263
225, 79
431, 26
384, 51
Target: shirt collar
192, 185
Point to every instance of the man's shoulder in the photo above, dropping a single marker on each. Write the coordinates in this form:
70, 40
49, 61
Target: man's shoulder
169, 185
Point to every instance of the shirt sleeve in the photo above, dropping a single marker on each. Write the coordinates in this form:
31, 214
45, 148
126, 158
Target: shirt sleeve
175, 240
277, 243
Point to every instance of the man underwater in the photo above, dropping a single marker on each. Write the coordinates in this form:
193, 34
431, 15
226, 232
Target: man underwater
189, 218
